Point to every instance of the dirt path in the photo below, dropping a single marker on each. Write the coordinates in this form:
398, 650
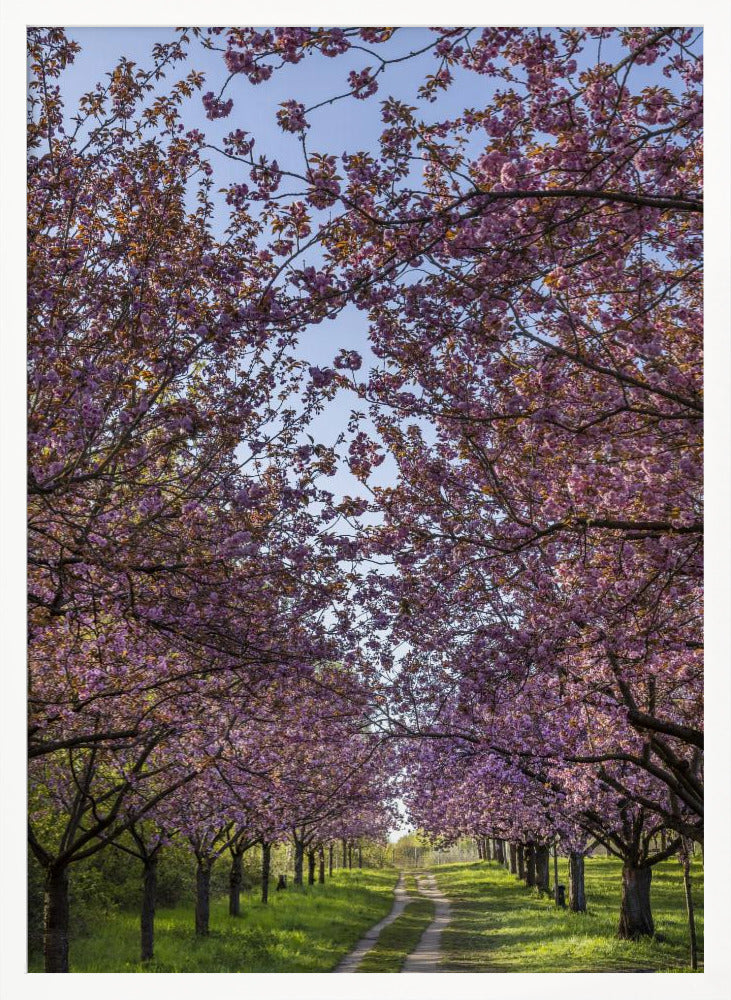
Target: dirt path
354, 958
425, 957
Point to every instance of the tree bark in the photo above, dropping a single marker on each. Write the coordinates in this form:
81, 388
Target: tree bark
266, 866
203, 896
311, 866
577, 891
360, 856
499, 851
635, 915
487, 850
299, 861
350, 856
147, 917
691, 911
542, 867
234, 883
530, 864
513, 858
520, 852
331, 851
345, 853
480, 852
56, 920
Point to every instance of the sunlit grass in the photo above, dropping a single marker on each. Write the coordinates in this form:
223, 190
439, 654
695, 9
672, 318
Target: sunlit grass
498, 925
307, 930
410, 884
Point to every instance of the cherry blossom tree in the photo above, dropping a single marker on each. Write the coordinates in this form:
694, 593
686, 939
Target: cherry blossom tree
535, 296
523, 617
173, 524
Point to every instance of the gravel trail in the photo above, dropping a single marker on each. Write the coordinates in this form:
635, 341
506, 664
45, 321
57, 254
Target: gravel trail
354, 958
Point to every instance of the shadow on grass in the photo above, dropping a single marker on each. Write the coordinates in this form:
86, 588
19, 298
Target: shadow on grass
499, 925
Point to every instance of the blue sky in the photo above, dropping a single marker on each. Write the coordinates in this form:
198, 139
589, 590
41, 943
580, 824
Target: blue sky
347, 125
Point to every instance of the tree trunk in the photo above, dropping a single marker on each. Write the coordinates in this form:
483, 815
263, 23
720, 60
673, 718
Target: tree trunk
234, 883
480, 852
487, 850
299, 861
360, 856
147, 917
56, 920
530, 864
513, 858
577, 892
311, 867
321, 872
520, 853
345, 853
635, 915
266, 866
691, 912
331, 851
350, 855
543, 856
203, 896
499, 851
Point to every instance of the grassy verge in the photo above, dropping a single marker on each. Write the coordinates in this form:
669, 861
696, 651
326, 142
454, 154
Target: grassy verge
398, 939
498, 925
306, 930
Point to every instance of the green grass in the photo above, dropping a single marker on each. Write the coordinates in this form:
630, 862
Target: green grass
306, 930
410, 884
398, 939
498, 925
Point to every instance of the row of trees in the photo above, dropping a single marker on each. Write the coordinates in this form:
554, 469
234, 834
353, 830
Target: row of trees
531, 863
531, 272
114, 880
522, 615
186, 582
